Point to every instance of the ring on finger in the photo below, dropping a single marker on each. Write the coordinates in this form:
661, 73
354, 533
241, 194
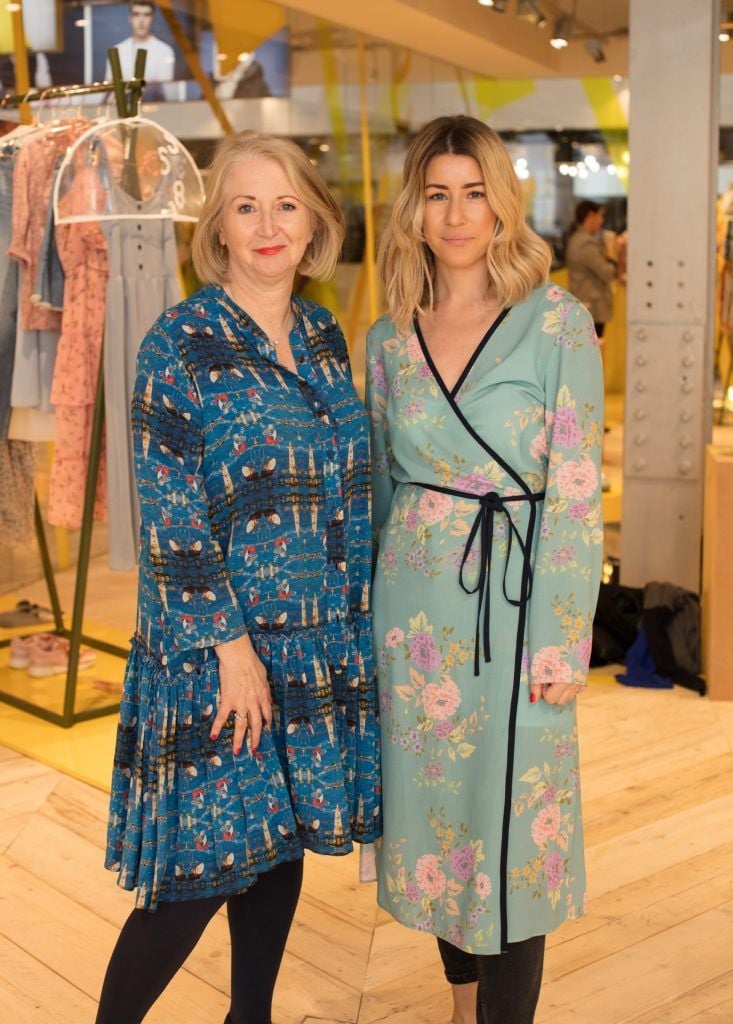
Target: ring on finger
240, 718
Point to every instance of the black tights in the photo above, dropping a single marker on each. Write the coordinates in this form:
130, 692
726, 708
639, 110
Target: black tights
508, 983
152, 947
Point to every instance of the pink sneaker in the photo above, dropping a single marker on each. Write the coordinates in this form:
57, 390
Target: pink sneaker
22, 646
52, 658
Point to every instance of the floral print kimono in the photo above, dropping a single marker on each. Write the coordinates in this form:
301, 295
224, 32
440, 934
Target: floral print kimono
487, 512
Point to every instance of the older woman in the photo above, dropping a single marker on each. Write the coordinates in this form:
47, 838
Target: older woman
486, 394
247, 729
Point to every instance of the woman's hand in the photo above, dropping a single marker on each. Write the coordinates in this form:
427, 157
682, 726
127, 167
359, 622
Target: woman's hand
244, 692
555, 693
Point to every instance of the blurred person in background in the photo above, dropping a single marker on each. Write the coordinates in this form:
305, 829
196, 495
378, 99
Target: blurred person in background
590, 268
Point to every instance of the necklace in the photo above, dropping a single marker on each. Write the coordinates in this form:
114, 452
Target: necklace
285, 327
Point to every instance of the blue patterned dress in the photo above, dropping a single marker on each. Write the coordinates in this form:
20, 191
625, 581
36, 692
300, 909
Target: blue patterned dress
254, 495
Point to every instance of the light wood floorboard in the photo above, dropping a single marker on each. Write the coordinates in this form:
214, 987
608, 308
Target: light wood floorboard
655, 947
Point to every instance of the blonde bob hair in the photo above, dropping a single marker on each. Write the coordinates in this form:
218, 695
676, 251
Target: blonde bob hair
517, 259
211, 258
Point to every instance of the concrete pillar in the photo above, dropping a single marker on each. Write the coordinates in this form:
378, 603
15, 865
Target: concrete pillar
673, 141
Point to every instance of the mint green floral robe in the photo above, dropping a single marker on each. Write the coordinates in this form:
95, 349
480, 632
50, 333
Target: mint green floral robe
482, 836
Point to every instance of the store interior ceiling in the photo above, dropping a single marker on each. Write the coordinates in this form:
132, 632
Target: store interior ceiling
500, 41
510, 39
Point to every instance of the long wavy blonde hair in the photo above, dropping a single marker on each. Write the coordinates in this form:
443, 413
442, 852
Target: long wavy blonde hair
517, 259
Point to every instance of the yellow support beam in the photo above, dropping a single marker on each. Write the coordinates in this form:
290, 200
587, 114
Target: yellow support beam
242, 27
194, 65
366, 162
22, 74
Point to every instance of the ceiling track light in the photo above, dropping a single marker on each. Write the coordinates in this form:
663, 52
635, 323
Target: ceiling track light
594, 46
497, 5
562, 32
530, 11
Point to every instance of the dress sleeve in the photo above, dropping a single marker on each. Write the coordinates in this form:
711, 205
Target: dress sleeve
185, 560
569, 550
18, 247
376, 402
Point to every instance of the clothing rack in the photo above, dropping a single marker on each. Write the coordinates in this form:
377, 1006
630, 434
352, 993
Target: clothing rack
127, 95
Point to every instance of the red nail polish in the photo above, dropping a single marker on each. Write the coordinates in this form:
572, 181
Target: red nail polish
214, 737
238, 750
255, 749
533, 698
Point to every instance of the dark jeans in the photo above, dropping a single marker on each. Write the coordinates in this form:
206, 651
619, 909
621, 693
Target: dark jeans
152, 947
508, 983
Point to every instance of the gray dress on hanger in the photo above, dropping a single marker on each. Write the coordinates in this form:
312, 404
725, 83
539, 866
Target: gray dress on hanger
8, 286
143, 281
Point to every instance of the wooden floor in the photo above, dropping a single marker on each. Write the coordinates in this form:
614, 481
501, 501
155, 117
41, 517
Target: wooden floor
656, 947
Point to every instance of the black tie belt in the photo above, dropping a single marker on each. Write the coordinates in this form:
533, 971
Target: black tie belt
483, 524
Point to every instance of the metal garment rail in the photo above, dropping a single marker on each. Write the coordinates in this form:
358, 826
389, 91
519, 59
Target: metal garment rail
127, 98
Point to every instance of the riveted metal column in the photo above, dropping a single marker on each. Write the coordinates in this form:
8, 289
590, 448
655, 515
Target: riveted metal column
673, 140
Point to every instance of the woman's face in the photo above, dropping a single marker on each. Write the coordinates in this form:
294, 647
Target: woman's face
458, 221
265, 225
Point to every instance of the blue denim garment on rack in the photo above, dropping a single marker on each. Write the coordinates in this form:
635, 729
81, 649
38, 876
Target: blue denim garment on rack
49, 284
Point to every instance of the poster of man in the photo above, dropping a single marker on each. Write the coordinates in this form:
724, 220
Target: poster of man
160, 66
86, 31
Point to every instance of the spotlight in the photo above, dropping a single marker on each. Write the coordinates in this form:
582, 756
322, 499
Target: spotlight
530, 11
595, 49
498, 5
725, 28
561, 33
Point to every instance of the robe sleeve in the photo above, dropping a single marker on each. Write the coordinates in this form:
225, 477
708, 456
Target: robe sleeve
567, 568
181, 554
376, 403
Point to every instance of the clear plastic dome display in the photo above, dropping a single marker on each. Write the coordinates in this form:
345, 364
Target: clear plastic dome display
128, 168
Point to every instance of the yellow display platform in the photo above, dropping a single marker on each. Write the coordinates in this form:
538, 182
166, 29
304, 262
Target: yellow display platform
84, 751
